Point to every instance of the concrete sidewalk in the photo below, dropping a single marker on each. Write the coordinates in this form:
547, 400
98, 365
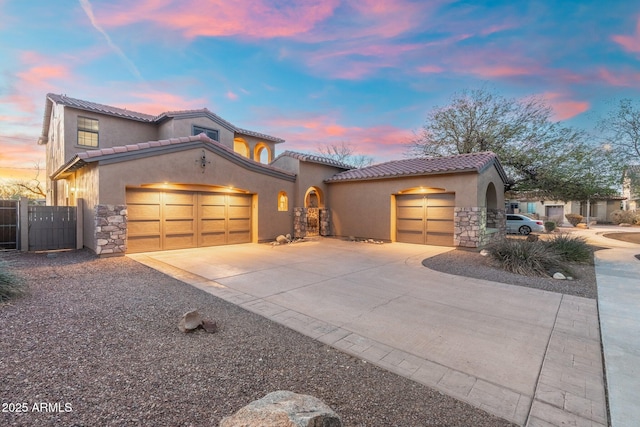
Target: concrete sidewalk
529, 356
618, 276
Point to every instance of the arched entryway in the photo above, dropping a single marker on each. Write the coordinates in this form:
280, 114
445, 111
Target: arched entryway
491, 203
313, 201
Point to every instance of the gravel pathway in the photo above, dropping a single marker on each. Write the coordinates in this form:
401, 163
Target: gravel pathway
471, 264
96, 341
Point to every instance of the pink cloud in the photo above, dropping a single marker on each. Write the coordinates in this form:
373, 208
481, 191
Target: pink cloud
243, 18
231, 96
309, 132
564, 108
430, 69
624, 78
630, 43
156, 102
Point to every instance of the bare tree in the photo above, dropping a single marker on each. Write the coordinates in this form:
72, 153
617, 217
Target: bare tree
345, 153
622, 130
30, 188
537, 153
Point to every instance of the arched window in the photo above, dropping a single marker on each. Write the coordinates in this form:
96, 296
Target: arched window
283, 201
241, 147
262, 153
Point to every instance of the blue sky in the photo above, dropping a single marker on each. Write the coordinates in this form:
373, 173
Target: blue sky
313, 72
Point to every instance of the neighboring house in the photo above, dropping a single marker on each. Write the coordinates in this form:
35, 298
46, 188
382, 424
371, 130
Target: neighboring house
631, 188
600, 210
190, 178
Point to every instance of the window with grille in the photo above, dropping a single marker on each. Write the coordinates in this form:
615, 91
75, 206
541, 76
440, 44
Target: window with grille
87, 132
211, 133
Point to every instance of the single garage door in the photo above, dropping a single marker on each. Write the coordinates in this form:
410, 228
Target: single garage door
162, 220
425, 219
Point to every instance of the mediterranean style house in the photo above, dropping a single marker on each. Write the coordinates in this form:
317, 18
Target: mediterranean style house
186, 179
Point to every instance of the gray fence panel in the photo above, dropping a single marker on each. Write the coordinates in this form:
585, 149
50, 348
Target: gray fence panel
52, 227
8, 224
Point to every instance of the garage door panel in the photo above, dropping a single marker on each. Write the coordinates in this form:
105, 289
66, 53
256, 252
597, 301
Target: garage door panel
236, 237
180, 199
410, 237
239, 225
212, 225
434, 226
441, 200
178, 211
213, 239
413, 225
410, 212
440, 239
143, 243
179, 226
179, 241
143, 227
212, 212
444, 213
143, 212
239, 212
239, 200
143, 197
212, 199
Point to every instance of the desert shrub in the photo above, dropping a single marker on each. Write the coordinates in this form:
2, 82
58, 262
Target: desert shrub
10, 284
549, 226
523, 257
574, 219
626, 217
570, 248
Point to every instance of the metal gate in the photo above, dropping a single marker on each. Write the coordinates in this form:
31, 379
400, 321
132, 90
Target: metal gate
52, 227
8, 224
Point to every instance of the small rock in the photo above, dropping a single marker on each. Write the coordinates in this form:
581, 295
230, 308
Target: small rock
190, 321
559, 276
209, 326
484, 252
284, 409
569, 278
288, 236
352, 238
281, 239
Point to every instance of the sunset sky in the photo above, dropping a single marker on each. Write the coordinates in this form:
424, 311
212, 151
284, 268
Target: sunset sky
313, 72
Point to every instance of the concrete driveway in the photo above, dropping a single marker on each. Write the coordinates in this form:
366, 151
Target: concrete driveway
529, 356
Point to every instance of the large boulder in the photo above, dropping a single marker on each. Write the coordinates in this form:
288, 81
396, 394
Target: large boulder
284, 409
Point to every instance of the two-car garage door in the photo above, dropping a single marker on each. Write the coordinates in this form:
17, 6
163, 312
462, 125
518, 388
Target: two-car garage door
425, 219
162, 220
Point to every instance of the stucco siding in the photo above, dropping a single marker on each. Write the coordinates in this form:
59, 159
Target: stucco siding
365, 208
182, 171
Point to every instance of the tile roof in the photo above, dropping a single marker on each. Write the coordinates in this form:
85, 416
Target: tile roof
126, 152
422, 166
314, 159
142, 117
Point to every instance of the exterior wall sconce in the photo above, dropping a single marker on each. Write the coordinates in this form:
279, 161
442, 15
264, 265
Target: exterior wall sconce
203, 161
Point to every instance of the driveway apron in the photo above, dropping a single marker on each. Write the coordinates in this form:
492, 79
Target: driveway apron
501, 348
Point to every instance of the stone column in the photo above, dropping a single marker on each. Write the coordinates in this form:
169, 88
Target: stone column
111, 229
299, 222
469, 226
325, 222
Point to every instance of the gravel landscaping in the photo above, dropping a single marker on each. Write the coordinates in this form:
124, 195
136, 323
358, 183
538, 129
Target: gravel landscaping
470, 263
96, 343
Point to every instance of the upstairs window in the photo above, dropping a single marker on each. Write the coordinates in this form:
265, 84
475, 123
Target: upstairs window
211, 133
87, 132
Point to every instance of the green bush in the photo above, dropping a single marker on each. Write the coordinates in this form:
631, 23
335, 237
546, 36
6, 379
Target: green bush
523, 257
10, 284
549, 226
625, 217
574, 219
570, 248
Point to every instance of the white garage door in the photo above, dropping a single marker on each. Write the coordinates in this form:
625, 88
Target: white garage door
162, 220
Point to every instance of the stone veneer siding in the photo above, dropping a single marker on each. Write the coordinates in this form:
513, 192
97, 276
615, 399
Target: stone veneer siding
470, 226
300, 222
111, 229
